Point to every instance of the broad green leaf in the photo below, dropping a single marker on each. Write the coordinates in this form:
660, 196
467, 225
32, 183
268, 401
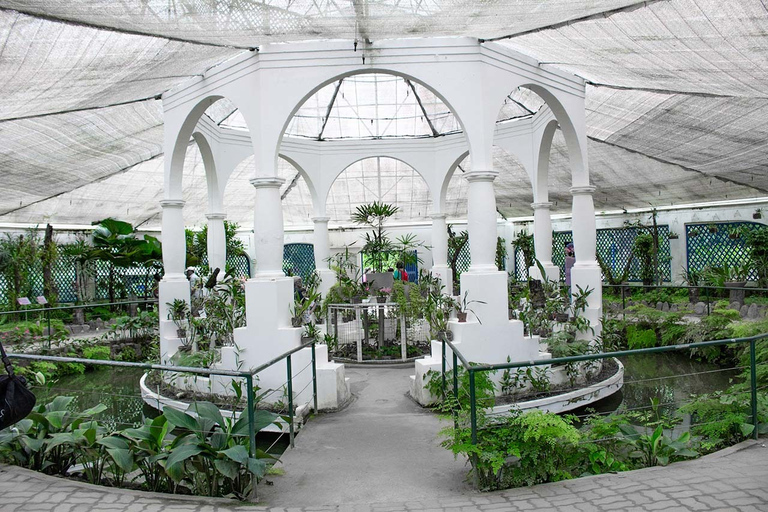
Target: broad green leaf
138, 434
122, 457
182, 453
59, 403
237, 453
746, 429
218, 440
227, 468
257, 466
114, 442
62, 438
31, 444
208, 411
93, 411
686, 453
181, 419
56, 418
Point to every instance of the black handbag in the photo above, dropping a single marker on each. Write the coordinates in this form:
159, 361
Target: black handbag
16, 400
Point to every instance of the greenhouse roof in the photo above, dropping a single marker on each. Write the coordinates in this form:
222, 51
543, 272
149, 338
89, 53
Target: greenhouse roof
677, 92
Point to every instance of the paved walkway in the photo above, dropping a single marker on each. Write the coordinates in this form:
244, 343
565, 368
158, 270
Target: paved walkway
380, 454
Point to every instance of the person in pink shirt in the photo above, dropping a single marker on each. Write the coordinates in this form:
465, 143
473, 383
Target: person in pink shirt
570, 259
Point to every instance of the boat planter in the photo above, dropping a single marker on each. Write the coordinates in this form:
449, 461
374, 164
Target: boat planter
674, 236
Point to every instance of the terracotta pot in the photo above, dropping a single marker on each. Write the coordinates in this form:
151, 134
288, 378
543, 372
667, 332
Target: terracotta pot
462, 316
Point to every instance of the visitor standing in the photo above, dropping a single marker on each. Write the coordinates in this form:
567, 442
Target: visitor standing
400, 273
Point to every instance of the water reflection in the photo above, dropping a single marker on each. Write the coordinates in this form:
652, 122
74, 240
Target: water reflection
673, 378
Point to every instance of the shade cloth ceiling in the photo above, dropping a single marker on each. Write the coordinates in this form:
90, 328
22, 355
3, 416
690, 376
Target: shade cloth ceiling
677, 98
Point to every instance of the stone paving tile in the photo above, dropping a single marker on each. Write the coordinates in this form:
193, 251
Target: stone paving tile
735, 481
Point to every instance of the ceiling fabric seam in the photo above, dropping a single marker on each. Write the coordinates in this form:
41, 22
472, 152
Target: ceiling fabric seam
56, 19
665, 91
83, 109
106, 177
683, 167
560, 24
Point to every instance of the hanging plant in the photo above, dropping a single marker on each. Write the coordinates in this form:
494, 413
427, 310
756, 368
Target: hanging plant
758, 214
712, 228
673, 235
693, 232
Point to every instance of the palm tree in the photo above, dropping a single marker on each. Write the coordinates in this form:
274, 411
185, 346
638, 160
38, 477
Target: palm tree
377, 243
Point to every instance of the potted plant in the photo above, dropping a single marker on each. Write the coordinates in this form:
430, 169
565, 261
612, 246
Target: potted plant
734, 233
758, 214
462, 308
673, 235
693, 232
178, 312
382, 294
712, 228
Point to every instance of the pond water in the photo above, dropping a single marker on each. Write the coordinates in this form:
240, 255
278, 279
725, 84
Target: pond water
671, 377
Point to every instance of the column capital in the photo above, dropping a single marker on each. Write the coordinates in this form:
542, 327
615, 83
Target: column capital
320, 219
438, 216
172, 203
472, 176
216, 216
582, 190
267, 182
541, 206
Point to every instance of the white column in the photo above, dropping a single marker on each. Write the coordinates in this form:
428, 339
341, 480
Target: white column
586, 271
440, 266
174, 284
481, 220
321, 244
217, 242
268, 228
584, 226
322, 254
542, 240
174, 243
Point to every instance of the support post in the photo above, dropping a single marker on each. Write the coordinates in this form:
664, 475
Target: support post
753, 385
481, 221
251, 427
290, 398
217, 241
268, 228
314, 376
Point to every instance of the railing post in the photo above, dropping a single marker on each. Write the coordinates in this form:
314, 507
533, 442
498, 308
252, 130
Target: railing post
706, 297
473, 420
753, 385
472, 405
251, 427
455, 376
48, 318
290, 399
623, 304
314, 375
442, 340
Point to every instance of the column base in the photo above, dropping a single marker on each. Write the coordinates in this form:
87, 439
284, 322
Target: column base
553, 272
327, 279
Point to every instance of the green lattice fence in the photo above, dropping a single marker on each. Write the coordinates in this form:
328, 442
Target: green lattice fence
711, 245
299, 260
614, 245
239, 266
462, 262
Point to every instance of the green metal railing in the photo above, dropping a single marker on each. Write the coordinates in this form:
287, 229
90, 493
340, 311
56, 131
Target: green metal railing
474, 369
247, 375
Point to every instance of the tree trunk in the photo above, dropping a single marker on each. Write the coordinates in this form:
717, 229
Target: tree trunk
49, 285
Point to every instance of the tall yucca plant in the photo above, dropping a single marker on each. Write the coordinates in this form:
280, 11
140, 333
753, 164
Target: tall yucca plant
377, 243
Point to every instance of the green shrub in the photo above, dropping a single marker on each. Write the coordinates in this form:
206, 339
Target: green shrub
97, 352
640, 338
520, 449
